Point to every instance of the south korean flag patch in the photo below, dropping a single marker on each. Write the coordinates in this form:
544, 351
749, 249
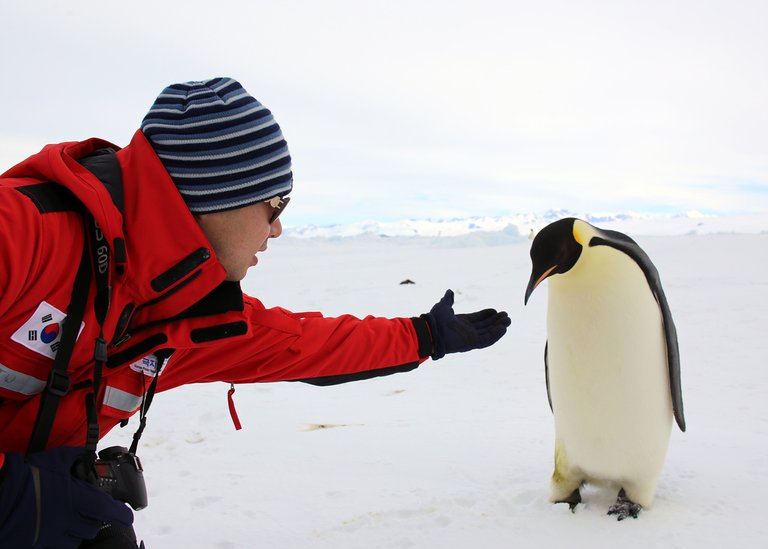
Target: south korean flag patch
42, 332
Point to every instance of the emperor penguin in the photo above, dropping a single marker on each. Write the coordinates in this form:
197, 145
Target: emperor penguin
611, 363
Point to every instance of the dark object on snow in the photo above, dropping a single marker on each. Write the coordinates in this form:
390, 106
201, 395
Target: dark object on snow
407, 281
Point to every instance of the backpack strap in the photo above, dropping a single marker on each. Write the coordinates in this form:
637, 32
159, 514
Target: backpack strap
50, 197
58, 380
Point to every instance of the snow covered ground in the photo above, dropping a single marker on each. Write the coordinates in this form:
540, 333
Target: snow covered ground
458, 453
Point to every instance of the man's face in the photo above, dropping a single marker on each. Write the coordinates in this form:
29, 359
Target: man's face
237, 236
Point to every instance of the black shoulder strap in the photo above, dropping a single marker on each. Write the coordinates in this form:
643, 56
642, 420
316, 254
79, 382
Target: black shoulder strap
58, 380
51, 197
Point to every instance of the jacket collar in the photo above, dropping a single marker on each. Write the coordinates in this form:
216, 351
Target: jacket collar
171, 263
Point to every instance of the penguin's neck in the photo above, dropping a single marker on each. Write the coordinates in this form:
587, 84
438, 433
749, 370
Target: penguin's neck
604, 285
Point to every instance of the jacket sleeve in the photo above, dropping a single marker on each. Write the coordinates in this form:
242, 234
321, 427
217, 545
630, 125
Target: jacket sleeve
308, 347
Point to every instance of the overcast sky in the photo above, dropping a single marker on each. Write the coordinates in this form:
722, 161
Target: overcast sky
425, 109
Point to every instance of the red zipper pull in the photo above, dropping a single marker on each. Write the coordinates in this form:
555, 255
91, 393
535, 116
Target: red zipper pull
232, 411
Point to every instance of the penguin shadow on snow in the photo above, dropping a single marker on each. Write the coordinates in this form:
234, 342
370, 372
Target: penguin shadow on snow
611, 363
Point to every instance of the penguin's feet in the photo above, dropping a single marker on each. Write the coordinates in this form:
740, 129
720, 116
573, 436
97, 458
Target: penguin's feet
624, 507
573, 500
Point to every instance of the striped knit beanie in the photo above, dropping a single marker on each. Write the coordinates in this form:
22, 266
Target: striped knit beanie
221, 147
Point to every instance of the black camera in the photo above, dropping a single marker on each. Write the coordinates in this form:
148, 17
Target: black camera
119, 473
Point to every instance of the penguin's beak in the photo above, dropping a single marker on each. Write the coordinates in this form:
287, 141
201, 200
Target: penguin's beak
534, 281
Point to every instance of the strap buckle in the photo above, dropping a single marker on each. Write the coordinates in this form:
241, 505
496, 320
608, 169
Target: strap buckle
58, 382
100, 352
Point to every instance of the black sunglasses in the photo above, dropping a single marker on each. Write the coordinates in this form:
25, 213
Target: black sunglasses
278, 204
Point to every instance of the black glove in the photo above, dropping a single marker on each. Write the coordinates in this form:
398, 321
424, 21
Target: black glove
43, 505
452, 333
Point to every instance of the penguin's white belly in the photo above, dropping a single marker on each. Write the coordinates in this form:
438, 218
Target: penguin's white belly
608, 374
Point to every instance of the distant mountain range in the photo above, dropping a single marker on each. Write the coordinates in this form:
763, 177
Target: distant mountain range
521, 225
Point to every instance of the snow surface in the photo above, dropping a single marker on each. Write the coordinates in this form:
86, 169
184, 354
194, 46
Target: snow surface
458, 453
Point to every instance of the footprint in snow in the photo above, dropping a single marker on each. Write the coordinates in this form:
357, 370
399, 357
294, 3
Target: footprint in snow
321, 426
194, 438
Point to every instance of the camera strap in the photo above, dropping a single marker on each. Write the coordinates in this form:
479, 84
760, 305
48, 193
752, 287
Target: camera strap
101, 302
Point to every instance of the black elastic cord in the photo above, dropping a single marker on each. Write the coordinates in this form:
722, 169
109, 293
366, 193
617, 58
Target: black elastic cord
161, 356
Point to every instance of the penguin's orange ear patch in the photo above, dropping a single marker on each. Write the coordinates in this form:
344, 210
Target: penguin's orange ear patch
580, 234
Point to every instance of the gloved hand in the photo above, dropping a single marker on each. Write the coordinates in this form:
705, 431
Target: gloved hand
43, 505
452, 333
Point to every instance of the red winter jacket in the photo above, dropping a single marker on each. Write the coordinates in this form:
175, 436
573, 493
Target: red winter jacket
168, 292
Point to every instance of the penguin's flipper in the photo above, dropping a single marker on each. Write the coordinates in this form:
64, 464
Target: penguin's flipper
628, 246
624, 507
546, 373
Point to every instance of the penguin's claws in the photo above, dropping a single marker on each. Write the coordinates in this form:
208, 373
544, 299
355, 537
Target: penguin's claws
573, 500
624, 507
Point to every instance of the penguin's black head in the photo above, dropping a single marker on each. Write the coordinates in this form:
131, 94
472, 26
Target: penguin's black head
554, 251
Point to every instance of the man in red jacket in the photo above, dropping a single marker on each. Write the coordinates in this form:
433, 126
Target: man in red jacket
164, 230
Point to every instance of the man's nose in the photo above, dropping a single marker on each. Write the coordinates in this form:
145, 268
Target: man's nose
276, 229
